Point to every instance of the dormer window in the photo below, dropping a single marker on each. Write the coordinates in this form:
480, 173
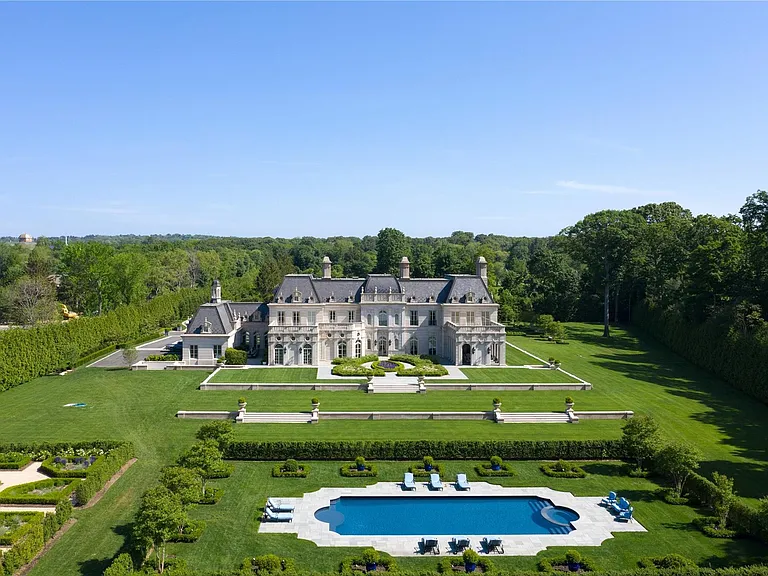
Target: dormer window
310, 299
296, 298
332, 298
280, 298
470, 297
206, 329
454, 299
431, 298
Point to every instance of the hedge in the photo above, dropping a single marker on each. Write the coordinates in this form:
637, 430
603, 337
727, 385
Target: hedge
48, 468
97, 478
486, 470
30, 519
192, 532
14, 461
424, 365
162, 358
419, 471
716, 345
358, 361
438, 449
23, 551
20, 494
27, 353
232, 356
351, 471
52, 522
44, 450
279, 472
570, 470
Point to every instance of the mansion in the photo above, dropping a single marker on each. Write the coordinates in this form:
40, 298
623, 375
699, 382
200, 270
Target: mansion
314, 320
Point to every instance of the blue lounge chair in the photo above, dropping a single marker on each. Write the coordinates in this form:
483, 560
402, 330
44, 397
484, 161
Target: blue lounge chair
277, 516
625, 515
621, 505
434, 482
461, 482
278, 506
408, 483
610, 500
460, 544
494, 545
428, 545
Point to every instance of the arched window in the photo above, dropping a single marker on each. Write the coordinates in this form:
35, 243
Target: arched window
432, 346
358, 349
342, 349
397, 319
369, 342
414, 345
279, 354
397, 343
383, 319
370, 322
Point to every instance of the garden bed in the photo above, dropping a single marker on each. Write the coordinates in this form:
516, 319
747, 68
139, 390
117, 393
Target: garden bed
14, 460
14, 525
486, 469
290, 469
562, 469
351, 471
71, 466
50, 491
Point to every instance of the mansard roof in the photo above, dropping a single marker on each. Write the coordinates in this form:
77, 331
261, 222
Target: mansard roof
293, 282
248, 309
423, 289
218, 315
382, 283
462, 284
338, 289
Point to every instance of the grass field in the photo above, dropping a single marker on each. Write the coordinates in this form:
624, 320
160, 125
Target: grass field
727, 426
514, 375
516, 358
286, 375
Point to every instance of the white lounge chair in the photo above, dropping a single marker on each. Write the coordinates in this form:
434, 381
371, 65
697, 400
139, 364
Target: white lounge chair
434, 482
408, 483
277, 516
279, 506
461, 482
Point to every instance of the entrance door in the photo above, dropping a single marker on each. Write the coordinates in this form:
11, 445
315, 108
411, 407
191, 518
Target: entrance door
279, 354
307, 355
466, 355
383, 349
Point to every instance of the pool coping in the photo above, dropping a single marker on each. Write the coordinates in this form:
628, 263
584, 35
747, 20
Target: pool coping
595, 524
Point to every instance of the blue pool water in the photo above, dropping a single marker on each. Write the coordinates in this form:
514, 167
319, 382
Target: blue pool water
446, 515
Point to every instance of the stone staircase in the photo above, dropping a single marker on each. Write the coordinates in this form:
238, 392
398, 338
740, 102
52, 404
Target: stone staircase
277, 418
535, 418
394, 388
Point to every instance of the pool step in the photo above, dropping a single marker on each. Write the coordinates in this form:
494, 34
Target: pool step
276, 418
535, 418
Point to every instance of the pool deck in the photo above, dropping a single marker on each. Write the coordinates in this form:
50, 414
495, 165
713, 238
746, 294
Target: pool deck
594, 526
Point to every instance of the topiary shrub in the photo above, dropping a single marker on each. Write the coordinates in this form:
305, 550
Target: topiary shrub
668, 562
290, 469
232, 356
562, 469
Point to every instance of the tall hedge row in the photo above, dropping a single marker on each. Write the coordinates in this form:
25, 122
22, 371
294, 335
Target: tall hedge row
416, 449
26, 353
101, 474
741, 360
39, 532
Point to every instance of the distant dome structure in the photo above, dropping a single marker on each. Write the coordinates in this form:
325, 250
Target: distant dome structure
25, 239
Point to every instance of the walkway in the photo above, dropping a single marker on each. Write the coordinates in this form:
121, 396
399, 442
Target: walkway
159, 346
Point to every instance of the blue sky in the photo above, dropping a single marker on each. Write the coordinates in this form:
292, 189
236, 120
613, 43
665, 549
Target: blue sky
293, 119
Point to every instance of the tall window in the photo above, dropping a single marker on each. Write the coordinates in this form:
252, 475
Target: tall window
256, 339
432, 346
397, 319
307, 355
397, 343
281, 318
486, 318
433, 317
471, 318
370, 323
342, 349
193, 351
246, 338
351, 316
279, 354
311, 318
332, 316
414, 346
383, 320
455, 317
296, 318
369, 340
414, 317
358, 349
217, 350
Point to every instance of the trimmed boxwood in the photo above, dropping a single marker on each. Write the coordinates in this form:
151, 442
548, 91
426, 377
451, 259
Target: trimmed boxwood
356, 564
438, 449
418, 470
14, 461
13, 536
290, 469
192, 532
267, 564
423, 365
484, 469
562, 469
212, 495
549, 564
162, 358
351, 471
352, 360
708, 525
22, 551
223, 471
97, 478
21, 494
49, 468
447, 565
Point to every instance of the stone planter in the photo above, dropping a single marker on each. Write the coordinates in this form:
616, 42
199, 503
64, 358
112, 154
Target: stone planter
470, 566
315, 406
371, 567
496, 467
568, 406
497, 406
242, 405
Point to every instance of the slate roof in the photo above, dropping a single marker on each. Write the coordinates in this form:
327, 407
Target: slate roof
381, 283
217, 314
461, 284
303, 282
421, 289
248, 309
339, 288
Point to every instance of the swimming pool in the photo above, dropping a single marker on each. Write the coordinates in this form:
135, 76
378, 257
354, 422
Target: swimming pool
446, 515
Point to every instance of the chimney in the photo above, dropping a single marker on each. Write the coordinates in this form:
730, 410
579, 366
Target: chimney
216, 292
326, 267
405, 268
481, 268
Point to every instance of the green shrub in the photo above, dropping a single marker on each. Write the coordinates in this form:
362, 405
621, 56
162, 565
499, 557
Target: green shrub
121, 566
355, 565
19, 525
350, 369
14, 460
709, 525
22, 493
470, 556
351, 471
212, 495
573, 556
232, 356
419, 471
97, 478
668, 562
440, 449
358, 361
52, 522
562, 469
370, 556
162, 358
496, 461
49, 468
23, 550
290, 469
192, 531
267, 564
26, 353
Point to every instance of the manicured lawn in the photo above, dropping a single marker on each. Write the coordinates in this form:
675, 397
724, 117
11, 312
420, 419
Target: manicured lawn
266, 375
515, 375
689, 404
232, 531
516, 358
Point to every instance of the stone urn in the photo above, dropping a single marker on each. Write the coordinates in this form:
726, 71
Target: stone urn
241, 406
496, 406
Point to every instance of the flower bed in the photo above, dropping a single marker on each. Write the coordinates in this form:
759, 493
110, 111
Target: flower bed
562, 469
422, 365
13, 460
387, 366
71, 466
49, 491
15, 525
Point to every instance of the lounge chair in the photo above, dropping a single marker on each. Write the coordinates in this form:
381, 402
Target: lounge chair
610, 500
434, 482
408, 483
621, 505
460, 544
279, 506
461, 482
494, 545
625, 515
428, 545
277, 516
